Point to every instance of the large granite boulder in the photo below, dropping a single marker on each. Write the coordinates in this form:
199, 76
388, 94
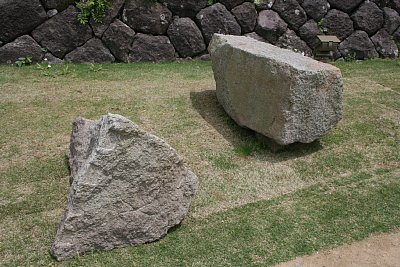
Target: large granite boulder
185, 8
316, 9
147, 16
246, 16
128, 188
339, 23
368, 18
278, 93
392, 20
345, 5
358, 46
118, 38
309, 33
151, 48
270, 26
59, 5
217, 19
100, 27
289, 40
186, 37
291, 12
93, 51
384, 44
62, 33
255, 36
23, 46
19, 17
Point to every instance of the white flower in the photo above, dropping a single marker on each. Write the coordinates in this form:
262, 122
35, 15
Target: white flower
48, 66
45, 59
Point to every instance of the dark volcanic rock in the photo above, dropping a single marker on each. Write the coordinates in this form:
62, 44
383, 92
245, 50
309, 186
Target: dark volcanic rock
384, 44
60, 5
392, 20
270, 26
118, 38
151, 48
100, 27
246, 16
19, 17
289, 40
51, 59
62, 33
291, 12
23, 46
316, 9
229, 4
396, 37
358, 45
92, 52
217, 19
368, 18
381, 3
186, 37
339, 23
147, 16
185, 8
395, 4
345, 5
309, 32
264, 4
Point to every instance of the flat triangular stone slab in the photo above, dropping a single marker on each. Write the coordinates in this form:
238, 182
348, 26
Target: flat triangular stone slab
128, 188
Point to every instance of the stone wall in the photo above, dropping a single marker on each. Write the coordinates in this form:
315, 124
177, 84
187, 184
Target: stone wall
147, 30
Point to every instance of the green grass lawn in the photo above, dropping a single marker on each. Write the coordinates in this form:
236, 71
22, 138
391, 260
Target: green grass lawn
253, 207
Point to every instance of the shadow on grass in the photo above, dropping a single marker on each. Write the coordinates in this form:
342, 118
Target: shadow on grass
206, 103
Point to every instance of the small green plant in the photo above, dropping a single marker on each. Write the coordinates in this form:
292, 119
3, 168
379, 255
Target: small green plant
95, 9
210, 2
95, 68
321, 26
22, 61
350, 57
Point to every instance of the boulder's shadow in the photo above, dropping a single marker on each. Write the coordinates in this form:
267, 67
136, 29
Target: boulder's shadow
206, 103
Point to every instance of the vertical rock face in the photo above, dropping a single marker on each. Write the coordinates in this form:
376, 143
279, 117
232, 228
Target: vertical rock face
217, 19
384, 44
316, 9
270, 26
186, 37
19, 17
118, 38
368, 18
291, 12
128, 188
309, 33
151, 48
246, 16
339, 23
23, 46
62, 33
392, 20
276, 92
147, 16
93, 51
358, 45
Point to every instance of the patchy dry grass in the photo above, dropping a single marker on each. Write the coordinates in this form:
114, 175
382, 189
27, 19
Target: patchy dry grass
253, 207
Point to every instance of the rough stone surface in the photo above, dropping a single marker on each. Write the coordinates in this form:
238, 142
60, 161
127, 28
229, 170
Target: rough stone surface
264, 4
339, 23
60, 5
289, 40
21, 47
358, 46
316, 9
229, 4
185, 8
147, 16
19, 17
186, 37
51, 59
118, 38
288, 98
384, 44
396, 37
255, 36
381, 3
62, 33
395, 4
291, 12
93, 51
392, 20
246, 16
309, 32
270, 26
217, 19
368, 18
51, 13
345, 5
100, 27
151, 48
128, 188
